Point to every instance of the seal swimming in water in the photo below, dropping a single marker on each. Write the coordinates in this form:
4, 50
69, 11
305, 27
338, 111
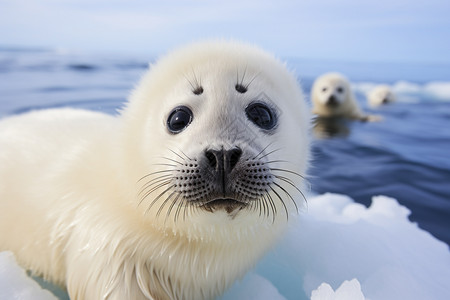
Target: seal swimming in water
331, 96
176, 197
380, 95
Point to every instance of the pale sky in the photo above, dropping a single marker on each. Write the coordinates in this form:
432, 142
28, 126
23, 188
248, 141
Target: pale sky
365, 30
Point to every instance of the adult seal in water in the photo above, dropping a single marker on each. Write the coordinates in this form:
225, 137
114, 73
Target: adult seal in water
177, 196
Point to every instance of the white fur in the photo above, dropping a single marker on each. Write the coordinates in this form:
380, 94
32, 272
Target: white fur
336, 85
69, 181
379, 95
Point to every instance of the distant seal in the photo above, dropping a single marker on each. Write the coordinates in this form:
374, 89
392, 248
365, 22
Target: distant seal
332, 96
380, 95
174, 198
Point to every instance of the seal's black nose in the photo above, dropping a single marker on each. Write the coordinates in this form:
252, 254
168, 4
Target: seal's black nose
332, 101
223, 160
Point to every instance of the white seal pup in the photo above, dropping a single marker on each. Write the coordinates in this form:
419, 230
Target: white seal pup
380, 95
176, 197
331, 96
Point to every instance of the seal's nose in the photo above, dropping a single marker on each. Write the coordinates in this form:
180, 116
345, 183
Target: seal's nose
332, 101
223, 160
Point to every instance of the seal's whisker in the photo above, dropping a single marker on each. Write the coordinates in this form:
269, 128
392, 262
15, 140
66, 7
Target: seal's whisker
153, 173
158, 177
287, 180
197, 81
254, 205
288, 171
154, 181
243, 76
265, 206
159, 196
250, 82
261, 205
157, 187
152, 190
240, 81
178, 210
237, 75
177, 154
289, 195
282, 202
184, 210
270, 153
256, 156
175, 161
276, 161
272, 206
167, 165
174, 201
164, 204
190, 83
186, 155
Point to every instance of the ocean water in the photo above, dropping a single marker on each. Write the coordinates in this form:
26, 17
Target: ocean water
405, 156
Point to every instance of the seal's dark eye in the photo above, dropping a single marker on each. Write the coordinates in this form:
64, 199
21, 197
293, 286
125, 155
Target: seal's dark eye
340, 89
324, 89
261, 115
179, 119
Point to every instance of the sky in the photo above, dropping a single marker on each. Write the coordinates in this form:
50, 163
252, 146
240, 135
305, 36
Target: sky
347, 30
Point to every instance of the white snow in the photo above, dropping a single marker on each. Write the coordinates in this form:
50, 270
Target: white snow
336, 249
347, 290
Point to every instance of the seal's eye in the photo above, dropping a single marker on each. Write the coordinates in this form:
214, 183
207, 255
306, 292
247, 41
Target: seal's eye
324, 89
261, 115
179, 119
340, 90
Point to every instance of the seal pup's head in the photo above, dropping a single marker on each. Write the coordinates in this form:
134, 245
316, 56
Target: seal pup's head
216, 142
331, 95
380, 95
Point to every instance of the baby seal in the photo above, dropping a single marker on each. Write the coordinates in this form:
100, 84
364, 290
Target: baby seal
332, 96
176, 197
380, 95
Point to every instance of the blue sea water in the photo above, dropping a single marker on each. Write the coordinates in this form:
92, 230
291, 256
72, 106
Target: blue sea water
406, 156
